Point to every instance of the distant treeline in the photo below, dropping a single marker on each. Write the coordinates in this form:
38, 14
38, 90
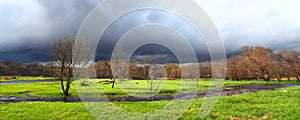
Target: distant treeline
254, 63
19, 69
263, 63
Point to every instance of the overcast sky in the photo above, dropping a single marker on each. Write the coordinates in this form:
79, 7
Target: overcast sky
28, 26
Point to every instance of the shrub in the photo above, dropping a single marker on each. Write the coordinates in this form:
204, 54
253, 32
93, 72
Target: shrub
7, 78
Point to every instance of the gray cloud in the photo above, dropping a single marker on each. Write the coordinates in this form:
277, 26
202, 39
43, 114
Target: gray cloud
27, 27
270, 23
34, 23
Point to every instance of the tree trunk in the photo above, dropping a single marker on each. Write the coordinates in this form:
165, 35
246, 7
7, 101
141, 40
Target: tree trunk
68, 84
151, 85
113, 83
298, 78
279, 79
289, 77
67, 89
266, 77
61, 78
62, 86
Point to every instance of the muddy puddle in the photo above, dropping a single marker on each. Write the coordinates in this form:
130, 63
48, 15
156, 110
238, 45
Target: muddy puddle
25, 81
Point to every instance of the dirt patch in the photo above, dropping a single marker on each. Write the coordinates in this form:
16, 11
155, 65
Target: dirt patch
25, 81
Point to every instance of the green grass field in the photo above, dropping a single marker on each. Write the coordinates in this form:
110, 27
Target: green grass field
53, 89
276, 104
282, 104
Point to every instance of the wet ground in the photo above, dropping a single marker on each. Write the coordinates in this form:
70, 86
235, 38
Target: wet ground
25, 81
227, 91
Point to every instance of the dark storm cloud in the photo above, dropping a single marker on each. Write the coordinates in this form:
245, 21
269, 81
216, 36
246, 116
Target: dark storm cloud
28, 26
142, 18
161, 53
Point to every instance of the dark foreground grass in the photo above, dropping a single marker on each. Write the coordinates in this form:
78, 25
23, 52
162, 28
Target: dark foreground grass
282, 104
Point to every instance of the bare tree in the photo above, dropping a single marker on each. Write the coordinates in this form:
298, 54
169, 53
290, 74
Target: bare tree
205, 69
148, 62
191, 71
119, 65
135, 71
278, 69
107, 65
103, 69
291, 57
260, 59
234, 68
64, 60
238, 68
156, 73
172, 71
